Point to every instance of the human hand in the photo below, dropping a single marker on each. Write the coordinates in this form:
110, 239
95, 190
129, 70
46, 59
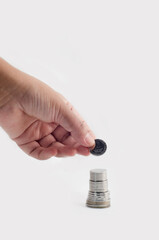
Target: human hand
40, 120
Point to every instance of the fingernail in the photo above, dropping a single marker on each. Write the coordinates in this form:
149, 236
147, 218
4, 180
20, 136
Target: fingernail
89, 140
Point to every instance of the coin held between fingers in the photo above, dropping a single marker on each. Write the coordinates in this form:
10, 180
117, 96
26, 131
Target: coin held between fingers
99, 148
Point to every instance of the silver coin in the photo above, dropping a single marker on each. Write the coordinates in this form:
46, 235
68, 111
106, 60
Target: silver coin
98, 175
98, 205
98, 186
98, 197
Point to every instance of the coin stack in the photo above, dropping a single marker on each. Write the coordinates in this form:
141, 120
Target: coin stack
98, 196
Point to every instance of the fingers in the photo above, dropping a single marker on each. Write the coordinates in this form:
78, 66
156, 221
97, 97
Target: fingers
62, 150
70, 141
65, 138
47, 141
35, 131
83, 151
59, 142
35, 150
60, 134
43, 153
57, 149
73, 122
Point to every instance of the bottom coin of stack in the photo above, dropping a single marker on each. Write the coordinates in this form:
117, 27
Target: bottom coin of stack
98, 196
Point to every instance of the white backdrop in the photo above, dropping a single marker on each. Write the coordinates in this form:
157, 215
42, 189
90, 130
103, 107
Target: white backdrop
104, 57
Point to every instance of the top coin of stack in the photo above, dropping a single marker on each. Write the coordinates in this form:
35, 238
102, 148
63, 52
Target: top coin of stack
98, 175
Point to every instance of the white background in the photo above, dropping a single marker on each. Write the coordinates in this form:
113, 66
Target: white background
104, 57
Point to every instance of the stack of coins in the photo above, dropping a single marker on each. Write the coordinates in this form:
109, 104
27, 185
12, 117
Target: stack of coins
98, 196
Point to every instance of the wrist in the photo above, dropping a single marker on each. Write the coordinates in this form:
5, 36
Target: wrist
11, 84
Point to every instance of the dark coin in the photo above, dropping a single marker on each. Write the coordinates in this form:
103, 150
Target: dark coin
100, 147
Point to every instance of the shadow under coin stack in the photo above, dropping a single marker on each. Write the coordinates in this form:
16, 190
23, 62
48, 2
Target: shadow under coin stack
98, 196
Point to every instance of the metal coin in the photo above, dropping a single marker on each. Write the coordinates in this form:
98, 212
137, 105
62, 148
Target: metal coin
98, 204
98, 175
100, 147
98, 186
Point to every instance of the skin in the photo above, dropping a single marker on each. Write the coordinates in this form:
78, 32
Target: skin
39, 119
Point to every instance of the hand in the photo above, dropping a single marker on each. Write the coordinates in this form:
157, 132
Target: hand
40, 120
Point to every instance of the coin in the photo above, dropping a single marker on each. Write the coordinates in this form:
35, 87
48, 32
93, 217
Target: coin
98, 186
100, 147
98, 175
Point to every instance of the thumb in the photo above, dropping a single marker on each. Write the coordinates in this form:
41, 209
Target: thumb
74, 123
